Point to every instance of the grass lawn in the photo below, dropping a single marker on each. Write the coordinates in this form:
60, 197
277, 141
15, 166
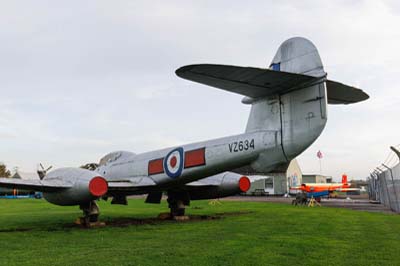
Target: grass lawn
34, 232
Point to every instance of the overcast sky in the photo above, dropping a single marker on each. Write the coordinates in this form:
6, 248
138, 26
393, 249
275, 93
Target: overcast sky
79, 79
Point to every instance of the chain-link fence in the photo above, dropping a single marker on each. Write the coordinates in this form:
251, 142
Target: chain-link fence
384, 186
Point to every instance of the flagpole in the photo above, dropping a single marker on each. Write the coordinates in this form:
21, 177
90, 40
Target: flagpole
320, 167
319, 155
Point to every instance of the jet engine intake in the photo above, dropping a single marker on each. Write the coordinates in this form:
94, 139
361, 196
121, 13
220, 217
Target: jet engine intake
85, 186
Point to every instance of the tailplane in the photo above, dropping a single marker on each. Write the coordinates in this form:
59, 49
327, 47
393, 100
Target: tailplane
289, 99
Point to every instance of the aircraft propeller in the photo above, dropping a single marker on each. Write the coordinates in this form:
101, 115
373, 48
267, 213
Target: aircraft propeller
41, 171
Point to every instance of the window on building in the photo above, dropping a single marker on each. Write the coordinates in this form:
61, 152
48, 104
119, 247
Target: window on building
269, 183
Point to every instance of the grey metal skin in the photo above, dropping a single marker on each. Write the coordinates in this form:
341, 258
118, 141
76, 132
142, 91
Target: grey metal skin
282, 126
217, 186
288, 113
78, 193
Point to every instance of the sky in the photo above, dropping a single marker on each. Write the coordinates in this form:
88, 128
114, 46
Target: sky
79, 79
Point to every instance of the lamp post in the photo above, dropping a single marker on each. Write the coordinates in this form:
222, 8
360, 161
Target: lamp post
395, 151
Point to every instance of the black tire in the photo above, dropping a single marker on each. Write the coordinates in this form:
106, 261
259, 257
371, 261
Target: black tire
93, 218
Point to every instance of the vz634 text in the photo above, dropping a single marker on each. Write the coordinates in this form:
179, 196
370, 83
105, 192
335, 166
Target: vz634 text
244, 145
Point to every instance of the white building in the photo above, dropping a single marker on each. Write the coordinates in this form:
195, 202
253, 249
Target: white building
276, 183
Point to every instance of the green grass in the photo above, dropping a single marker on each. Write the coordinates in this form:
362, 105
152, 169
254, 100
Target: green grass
33, 232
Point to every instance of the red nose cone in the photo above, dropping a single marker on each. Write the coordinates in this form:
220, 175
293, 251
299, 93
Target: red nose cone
98, 186
244, 183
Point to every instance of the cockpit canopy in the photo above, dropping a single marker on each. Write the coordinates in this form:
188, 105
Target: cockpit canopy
113, 156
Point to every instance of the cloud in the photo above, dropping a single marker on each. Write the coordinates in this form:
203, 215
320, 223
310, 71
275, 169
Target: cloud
80, 80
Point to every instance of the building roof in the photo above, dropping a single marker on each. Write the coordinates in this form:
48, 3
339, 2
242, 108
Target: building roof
16, 175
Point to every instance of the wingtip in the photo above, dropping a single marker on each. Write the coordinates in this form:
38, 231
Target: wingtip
180, 72
339, 93
363, 96
183, 69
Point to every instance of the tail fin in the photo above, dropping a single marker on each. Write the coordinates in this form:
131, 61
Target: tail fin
298, 55
298, 116
344, 179
289, 100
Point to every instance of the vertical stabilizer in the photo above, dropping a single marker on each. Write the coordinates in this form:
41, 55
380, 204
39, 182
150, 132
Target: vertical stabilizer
344, 179
298, 116
298, 55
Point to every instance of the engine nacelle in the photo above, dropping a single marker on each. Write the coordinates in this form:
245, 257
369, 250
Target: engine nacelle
224, 185
86, 186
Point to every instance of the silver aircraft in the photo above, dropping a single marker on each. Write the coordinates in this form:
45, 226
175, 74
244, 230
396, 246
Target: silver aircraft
288, 112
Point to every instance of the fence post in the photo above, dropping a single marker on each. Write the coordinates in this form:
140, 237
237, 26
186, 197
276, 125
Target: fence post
379, 188
382, 174
394, 188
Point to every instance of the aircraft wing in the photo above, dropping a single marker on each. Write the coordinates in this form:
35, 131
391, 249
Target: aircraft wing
347, 189
260, 82
56, 184
48, 185
131, 185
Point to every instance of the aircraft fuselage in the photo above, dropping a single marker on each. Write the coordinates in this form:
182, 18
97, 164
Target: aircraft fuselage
194, 161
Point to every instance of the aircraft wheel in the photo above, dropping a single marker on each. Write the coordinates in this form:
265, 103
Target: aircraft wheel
177, 202
177, 208
91, 213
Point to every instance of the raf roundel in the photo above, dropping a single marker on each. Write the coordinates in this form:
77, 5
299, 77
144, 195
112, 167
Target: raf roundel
173, 163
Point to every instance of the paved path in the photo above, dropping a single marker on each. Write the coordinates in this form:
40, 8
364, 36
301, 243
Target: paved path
360, 204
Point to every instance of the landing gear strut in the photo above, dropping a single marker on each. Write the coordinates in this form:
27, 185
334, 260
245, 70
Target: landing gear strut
177, 200
91, 213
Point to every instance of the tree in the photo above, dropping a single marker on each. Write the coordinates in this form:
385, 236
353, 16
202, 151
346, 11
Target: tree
4, 172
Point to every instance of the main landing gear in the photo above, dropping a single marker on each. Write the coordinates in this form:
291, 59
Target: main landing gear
91, 214
177, 200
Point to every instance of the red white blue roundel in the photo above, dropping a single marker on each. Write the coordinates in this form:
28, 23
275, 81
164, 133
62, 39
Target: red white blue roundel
173, 163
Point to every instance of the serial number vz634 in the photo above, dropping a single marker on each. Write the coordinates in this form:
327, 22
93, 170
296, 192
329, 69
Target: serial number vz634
244, 145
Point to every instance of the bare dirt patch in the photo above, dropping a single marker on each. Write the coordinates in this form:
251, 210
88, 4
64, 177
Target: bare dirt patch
124, 222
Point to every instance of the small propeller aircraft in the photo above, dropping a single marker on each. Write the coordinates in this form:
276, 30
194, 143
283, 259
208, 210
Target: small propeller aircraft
288, 112
318, 190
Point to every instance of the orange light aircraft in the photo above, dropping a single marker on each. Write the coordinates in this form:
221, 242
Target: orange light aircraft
324, 189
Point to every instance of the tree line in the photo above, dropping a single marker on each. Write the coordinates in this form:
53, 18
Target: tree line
4, 172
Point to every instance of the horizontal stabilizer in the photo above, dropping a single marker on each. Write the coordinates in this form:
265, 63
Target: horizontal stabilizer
260, 82
339, 93
248, 81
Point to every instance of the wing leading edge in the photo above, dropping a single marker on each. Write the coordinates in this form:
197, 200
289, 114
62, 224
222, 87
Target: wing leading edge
47, 185
259, 82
